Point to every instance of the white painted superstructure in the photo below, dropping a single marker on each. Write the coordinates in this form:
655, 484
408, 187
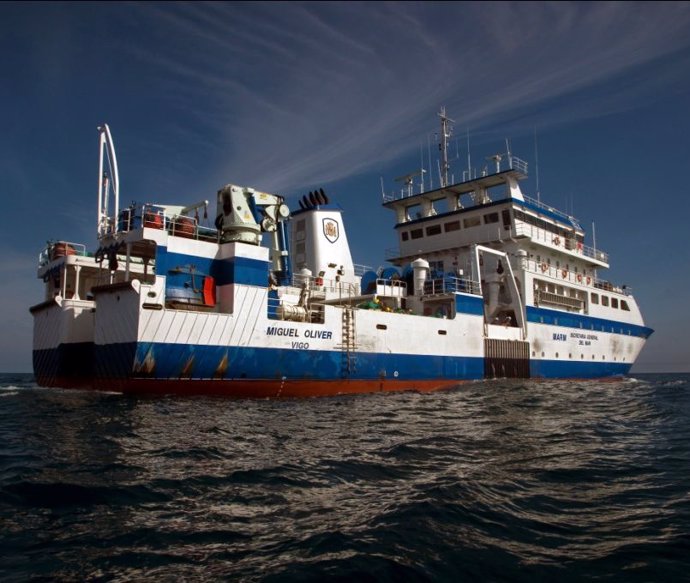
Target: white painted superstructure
485, 282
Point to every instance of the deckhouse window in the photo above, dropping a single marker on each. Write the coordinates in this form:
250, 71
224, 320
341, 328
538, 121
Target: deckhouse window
614, 302
605, 300
595, 298
404, 236
433, 230
624, 306
416, 233
490, 218
471, 222
452, 226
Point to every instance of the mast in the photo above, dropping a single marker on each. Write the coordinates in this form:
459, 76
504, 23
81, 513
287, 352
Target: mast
446, 132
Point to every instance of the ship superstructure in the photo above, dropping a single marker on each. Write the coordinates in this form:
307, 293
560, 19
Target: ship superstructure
485, 282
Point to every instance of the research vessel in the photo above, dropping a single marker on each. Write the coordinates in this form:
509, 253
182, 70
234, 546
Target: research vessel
260, 300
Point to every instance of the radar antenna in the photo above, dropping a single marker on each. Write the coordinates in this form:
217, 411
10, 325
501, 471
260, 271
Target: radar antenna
496, 158
408, 180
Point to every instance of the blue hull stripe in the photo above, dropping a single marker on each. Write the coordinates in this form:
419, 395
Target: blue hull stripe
188, 361
241, 270
67, 361
556, 318
171, 361
554, 369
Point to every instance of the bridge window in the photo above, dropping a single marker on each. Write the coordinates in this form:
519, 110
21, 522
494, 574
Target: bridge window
490, 218
595, 298
416, 233
433, 230
471, 222
404, 235
614, 302
624, 306
452, 226
605, 301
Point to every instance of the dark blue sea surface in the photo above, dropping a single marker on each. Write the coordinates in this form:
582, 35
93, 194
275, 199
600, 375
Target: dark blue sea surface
501, 480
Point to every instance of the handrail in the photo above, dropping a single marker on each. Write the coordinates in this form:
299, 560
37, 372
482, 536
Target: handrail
155, 217
55, 249
546, 207
448, 284
556, 273
555, 241
514, 163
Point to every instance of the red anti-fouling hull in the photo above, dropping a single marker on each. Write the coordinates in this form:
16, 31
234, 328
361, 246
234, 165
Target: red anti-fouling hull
243, 388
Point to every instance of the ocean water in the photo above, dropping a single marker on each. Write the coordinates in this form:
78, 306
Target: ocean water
500, 481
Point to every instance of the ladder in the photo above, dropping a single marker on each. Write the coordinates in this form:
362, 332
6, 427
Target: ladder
348, 343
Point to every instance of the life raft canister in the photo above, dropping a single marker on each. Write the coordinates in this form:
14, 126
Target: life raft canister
184, 227
153, 220
60, 249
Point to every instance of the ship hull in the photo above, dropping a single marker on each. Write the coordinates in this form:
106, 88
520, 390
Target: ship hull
147, 368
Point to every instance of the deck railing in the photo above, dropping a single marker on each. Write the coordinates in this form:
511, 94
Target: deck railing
55, 249
155, 217
556, 241
447, 285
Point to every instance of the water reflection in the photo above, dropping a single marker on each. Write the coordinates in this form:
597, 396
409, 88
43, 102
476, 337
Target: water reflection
510, 474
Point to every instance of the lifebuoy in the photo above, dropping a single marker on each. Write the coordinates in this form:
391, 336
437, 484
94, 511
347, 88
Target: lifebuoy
544, 267
557, 240
579, 278
564, 273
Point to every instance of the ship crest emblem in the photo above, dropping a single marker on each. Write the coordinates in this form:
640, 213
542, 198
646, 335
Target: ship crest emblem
331, 230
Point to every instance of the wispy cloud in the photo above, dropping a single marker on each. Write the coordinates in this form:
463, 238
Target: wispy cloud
307, 93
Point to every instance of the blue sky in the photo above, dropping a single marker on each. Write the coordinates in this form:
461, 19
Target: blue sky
287, 97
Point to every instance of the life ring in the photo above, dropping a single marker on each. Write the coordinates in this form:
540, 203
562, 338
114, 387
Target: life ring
579, 278
557, 240
564, 273
589, 280
544, 267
